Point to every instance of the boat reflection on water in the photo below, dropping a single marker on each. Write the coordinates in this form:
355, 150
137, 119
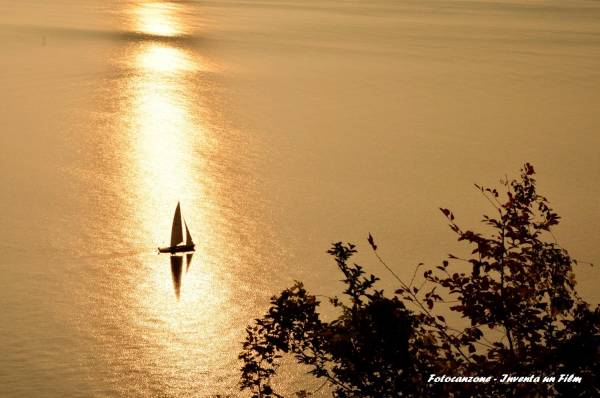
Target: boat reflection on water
189, 261
176, 270
176, 265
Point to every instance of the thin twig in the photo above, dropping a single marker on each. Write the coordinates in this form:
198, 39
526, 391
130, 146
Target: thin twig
414, 274
416, 300
321, 386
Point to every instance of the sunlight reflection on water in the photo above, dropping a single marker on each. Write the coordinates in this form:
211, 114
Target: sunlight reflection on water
280, 126
158, 18
181, 321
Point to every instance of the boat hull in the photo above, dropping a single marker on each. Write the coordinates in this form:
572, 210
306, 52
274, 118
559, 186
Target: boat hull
177, 249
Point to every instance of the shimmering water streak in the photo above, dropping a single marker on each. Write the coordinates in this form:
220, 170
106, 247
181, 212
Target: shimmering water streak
163, 136
158, 18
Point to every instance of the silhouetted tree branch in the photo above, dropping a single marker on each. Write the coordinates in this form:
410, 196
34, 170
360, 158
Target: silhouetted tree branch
523, 317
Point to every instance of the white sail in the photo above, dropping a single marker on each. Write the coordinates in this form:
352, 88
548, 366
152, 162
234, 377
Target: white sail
188, 236
176, 231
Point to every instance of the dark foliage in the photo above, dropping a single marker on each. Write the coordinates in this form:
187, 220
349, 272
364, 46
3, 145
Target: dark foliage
523, 317
371, 327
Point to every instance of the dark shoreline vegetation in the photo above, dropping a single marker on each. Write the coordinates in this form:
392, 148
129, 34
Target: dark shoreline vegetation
522, 317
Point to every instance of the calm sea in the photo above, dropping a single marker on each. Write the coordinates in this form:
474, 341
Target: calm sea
281, 126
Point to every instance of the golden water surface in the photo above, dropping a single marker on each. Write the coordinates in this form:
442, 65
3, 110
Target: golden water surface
280, 126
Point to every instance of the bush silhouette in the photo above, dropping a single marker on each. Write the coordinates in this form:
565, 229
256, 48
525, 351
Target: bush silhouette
523, 318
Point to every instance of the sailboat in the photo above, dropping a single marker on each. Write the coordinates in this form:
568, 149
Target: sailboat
177, 236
